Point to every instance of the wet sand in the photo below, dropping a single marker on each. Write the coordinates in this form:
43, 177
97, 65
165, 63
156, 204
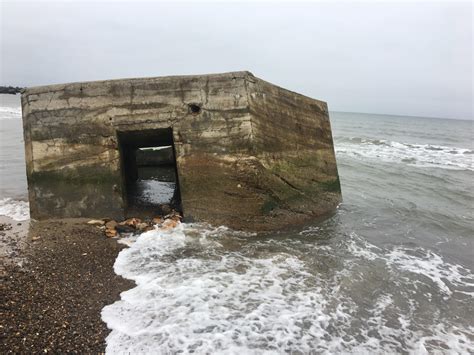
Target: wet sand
13, 242
56, 278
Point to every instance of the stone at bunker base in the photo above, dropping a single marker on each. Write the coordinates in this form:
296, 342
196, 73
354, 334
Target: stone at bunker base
134, 225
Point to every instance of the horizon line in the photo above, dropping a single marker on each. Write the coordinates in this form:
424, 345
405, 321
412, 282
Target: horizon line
368, 113
400, 115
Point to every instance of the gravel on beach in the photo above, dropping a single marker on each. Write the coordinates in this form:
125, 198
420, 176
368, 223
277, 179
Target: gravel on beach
54, 287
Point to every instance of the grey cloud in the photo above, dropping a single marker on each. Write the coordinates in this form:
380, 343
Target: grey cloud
405, 58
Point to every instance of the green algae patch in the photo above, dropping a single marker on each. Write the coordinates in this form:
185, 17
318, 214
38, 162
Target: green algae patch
80, 175
331, 185
269, 205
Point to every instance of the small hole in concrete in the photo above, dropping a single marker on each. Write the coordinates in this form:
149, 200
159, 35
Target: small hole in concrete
195, 109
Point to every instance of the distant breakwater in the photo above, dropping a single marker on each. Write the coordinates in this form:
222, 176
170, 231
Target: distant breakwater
13, 90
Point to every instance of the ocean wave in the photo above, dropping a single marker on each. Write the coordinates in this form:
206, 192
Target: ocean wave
9, 112
199, 290
18, 210
446, 277
420, 155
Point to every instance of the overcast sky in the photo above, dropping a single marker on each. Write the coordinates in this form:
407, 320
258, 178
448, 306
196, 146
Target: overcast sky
395, 58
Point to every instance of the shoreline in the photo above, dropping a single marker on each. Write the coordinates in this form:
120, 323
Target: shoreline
13, 242
57, 275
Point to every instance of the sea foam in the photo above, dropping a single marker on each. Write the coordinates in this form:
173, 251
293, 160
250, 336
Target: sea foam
17, 210
7, 113
419, 155
196, 294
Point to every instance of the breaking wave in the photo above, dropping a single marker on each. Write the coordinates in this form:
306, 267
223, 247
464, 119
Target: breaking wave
420, 155
207, 290
9, 112
17, 210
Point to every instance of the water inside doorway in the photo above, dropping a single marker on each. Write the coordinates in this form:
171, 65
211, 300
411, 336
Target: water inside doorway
149, 171
156, 182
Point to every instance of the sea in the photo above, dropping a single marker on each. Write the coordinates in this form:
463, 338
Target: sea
391, 271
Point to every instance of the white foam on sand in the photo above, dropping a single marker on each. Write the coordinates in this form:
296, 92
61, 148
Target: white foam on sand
419, 155
18, 210
194, 295
226, 304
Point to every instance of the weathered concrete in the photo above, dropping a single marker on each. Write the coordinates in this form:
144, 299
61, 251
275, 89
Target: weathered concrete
255, 156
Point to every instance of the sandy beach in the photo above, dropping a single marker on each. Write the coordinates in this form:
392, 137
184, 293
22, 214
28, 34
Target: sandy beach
56, 278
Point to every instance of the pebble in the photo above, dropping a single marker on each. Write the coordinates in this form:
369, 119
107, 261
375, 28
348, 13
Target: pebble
53, 309
134, 225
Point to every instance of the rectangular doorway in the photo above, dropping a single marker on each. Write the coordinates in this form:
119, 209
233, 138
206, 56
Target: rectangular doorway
149, 173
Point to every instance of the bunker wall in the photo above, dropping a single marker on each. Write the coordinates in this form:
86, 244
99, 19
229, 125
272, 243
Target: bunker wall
71, 135
293, 142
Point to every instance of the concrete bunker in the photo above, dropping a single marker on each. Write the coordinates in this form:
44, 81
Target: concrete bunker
245, 153
149, 172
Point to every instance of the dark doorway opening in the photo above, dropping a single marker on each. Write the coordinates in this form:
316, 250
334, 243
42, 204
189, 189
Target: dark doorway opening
149, 172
